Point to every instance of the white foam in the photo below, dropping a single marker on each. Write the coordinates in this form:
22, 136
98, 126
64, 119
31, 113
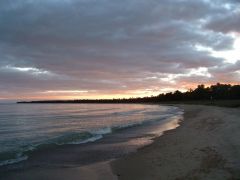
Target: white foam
13, 161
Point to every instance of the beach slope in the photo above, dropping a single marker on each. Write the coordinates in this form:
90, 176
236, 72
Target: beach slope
205, 146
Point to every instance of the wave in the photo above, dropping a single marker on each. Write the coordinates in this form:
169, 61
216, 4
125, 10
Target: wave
74, 138
11, 158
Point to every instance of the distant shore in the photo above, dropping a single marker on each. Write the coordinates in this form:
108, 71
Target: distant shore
205, 146
220, 103
225, 95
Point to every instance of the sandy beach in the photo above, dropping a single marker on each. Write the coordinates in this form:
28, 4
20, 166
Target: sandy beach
205, 146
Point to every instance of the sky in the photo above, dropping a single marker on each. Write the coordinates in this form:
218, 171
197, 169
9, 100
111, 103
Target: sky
86, 49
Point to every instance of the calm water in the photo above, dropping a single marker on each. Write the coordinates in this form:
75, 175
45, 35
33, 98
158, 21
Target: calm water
26, 127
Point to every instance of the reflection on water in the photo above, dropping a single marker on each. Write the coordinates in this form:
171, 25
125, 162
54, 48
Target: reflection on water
25, 127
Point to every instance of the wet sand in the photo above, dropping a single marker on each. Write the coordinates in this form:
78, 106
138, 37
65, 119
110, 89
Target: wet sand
96, 171
205, 146
88, 161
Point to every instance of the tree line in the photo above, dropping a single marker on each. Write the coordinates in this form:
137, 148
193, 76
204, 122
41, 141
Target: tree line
212, 93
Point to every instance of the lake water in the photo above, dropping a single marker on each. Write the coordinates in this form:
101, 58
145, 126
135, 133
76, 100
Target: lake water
27, 127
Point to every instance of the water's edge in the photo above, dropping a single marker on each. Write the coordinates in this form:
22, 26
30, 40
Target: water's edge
84, 137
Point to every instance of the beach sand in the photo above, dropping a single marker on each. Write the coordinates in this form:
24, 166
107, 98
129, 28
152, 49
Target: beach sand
205, 146
97, 171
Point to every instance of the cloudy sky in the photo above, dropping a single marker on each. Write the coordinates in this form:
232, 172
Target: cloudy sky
71, 49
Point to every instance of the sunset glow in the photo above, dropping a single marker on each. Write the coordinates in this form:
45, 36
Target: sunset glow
115, 49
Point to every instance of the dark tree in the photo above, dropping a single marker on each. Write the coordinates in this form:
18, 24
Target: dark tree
214, 92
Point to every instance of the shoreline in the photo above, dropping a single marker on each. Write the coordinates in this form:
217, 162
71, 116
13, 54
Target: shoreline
72, 161
205, 146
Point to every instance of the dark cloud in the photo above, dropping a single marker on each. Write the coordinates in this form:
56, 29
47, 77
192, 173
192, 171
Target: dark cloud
226, 23
111, 46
